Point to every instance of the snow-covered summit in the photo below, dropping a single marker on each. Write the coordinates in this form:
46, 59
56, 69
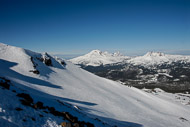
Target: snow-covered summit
156, 58
95, 52
154, 54
97, 57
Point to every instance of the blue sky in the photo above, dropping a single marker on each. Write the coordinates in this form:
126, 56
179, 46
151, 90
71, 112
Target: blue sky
68, 27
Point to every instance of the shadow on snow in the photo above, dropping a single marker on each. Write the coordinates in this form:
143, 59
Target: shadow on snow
51, 100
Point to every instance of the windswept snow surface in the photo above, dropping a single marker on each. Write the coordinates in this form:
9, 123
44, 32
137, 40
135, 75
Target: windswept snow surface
97, 97
97, 58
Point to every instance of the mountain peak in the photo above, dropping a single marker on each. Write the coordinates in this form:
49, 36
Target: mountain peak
98, 52
95, 52
97, 58
117, 54
154, 54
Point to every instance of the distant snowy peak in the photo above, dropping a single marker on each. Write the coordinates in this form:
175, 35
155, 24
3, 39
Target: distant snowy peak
97, 58
156, 58
94, 52
117, 54
100, 53
154, 54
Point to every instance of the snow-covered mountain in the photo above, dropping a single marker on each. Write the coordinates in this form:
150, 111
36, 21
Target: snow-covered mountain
97, 58
40, 90
154, 69
156, 58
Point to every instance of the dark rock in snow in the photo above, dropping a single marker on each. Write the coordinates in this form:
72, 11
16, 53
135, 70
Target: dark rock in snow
183, 119
27, 98
89, 124
47, 59
48, 62
18, 109
33, 118
5, 83
35, 71
39, 105
41, 115
63, 63
25, 102
65, 124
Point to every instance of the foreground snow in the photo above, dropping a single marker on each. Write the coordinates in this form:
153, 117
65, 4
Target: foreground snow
109, 101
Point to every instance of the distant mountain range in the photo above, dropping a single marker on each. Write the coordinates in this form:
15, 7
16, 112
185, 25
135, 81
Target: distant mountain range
97, 58
169, 72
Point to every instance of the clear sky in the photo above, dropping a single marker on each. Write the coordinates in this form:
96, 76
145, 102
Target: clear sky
78, 26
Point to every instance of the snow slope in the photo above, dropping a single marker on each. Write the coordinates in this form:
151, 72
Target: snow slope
109, 101
97, 58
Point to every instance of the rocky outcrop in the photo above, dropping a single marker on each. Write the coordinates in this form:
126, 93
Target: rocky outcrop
47, 59
35, 71
26, 99
4, 83
73, 121
65, 124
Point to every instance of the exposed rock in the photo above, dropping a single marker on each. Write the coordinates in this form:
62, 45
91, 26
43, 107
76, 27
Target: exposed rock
48, 62
89, 124
14, 91
45, 111
54, 112
70, 117
24, 120
63, 63
41, 115
40, 59
35, 71
32, 60
18, 109
25, 102
47, 59
25, 96
5, 83
38, 105
27, 99
51, 109
33, 118
183, 119
65, 124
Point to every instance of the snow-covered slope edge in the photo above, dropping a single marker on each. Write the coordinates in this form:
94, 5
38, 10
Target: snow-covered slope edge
96, 97
97, 58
